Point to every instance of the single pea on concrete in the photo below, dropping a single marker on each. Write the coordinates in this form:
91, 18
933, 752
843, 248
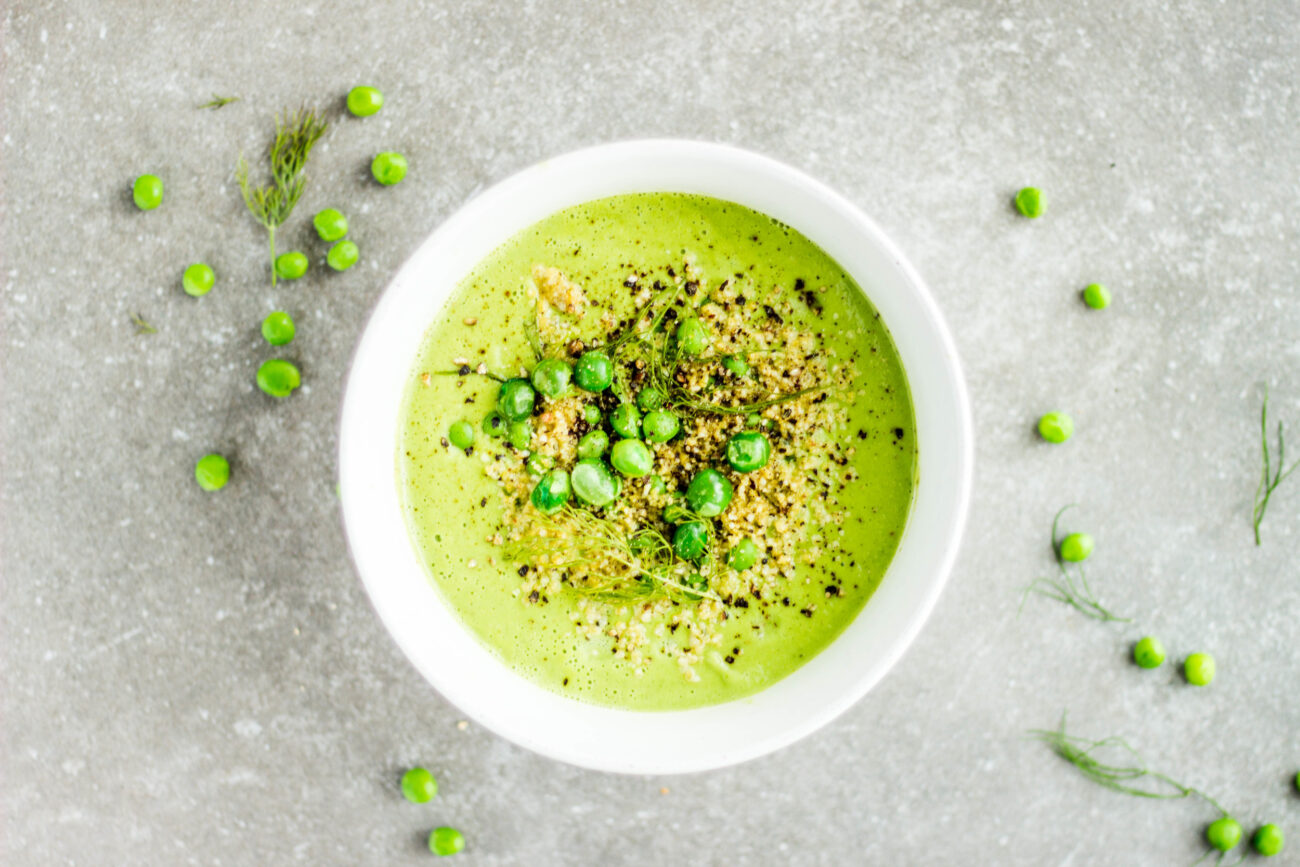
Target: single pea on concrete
1056, 427
342, 255
419, 786
330, 224
1199, 669
1223, 834
1096, 296
147, 191
278, 377
290, 265
446, 841
1268, 840
1076, 547
278, 328
212, 472
388, 167
198, 280
1031, 202
1149, 652
363, 100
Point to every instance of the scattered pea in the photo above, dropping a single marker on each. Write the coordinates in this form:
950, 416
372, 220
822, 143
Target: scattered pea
675, 513
708, 493
419, 786
278, 377
660, 426
494, 425
1149, 652
748, 451
657, 486
743, 555
693, 336
278, 328
1223, 834
631, 458
753, 420
342, 255
519, 433
1031, 202
551, 377
147, 192
291, 265
364, 101
1076, 547
515, 399
591, 414
626, 421
330, 224
593, 483
446, 841
650, 399
461, 434
593, 444
696, 584
737, 365
538, 464
1199, 669
1056, 427
594, 371
198, 280
1096, 296
212, 472
1268, 839
388, 168
690, 540
552, 492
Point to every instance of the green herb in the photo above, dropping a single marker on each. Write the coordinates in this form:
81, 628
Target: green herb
218, 101
1270, 477
1070, 588
142, 325
271, 205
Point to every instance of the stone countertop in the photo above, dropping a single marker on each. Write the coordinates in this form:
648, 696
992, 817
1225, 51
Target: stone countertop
197, 679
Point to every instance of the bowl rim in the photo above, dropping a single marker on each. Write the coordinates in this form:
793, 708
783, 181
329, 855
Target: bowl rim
589, 735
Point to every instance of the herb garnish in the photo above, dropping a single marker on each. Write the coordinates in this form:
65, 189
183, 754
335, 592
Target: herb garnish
1071, 589
218, 101
142, 325
271, 205
1268, 479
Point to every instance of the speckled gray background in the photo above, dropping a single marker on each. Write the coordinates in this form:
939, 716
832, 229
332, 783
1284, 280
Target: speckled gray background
198, 679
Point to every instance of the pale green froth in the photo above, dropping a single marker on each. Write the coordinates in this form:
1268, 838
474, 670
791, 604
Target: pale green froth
599, 244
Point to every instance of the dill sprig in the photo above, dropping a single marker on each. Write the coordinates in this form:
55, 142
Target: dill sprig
218, 101
1269, 478
271, 205
1069, 588
142, 325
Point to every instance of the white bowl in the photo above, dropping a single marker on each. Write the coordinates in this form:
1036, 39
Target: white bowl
464, 670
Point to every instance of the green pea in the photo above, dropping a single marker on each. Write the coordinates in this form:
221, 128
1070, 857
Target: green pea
675, 513
551, 377
147, 192
591, 414
593, 483
1223, 834
708, 493
198, 280
461, 434
660, 426
690, 540
1199, 669
446, 841
278, 377
1031, 202
515, 399
1268, 839
1149, 652
1076, 547
552, 492
212, 472
753, 420
594, 371
330, 224
278, 328
291, 265
593, 444
1056, 427
538, 464
419, 786
748, 451
743, 556
736, 365
1096, 296
388, 168
631, 458
342, 255
657, 486
626, 420
696, 584
648, 399
693, 336
364, 101
494, 425
519, 433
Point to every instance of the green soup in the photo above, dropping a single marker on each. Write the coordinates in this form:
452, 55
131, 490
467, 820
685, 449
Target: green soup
721, 260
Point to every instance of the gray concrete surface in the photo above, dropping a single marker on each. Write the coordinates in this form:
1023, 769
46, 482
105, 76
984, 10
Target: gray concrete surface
197, 679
